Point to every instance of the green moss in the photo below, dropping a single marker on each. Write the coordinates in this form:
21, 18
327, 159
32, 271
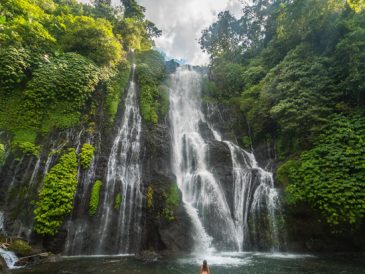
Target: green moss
86, 155
116, 86
117, 201
20, 247
2, 154
57, 195
164, 100
61, 115
149, 197
94, 197
172, 199
246, 141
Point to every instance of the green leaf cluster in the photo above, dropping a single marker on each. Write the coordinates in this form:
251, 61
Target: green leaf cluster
331, 175
94, 197
92, 38
26, 148
116, 86
150, 74
86, 155
172, 199
57, 195
13, 65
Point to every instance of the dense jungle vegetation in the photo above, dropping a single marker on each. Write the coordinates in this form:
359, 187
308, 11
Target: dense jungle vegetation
59, 61
296, 70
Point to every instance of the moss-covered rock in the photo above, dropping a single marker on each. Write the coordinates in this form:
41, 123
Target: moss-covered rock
94, 197
86, 155
20, 247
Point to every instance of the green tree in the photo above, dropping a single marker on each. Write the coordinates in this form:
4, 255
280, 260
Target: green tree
92, 38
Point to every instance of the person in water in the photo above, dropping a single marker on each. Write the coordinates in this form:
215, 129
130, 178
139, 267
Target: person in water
204, 268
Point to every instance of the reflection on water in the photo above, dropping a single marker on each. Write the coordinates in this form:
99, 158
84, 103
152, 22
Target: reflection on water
222, 263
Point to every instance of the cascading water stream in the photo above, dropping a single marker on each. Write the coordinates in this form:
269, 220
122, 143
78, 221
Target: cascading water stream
9, 256
124, 178
202, 194
215, 225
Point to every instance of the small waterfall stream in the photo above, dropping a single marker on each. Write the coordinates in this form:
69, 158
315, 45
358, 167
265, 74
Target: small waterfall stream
216, 226
9, 256
122, 221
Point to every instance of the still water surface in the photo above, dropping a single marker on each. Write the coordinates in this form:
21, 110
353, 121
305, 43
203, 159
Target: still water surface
222, 263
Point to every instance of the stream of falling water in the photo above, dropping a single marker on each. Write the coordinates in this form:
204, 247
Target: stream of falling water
119, 230
215, 226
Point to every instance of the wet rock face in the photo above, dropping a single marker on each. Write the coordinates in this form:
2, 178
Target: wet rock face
219, 158
3, 265
161, 234
230, 123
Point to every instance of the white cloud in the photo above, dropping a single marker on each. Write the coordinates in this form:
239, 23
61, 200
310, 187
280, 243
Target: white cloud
182, 21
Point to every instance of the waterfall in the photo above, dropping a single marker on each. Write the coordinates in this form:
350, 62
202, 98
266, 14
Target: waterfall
216, 225
9, 256
119, 228
2, 220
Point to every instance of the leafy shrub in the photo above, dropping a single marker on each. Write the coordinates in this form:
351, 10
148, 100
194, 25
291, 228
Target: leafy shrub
70, 77
57, 195
94, 198
13, 64
150, 74
331, 175
86, 155
92, 38
63, 85
26, 148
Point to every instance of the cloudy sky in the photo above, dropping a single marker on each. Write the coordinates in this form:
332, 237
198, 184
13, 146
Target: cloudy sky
182, 21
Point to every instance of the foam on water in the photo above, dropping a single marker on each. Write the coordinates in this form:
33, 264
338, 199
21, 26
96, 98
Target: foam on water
235, 259
219, 259
282, 255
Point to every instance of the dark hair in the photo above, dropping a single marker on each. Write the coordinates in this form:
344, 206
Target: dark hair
205, 265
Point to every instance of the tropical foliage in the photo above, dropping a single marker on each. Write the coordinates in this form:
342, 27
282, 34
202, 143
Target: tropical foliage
296, 70
150, 75
57, 195
53, 55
